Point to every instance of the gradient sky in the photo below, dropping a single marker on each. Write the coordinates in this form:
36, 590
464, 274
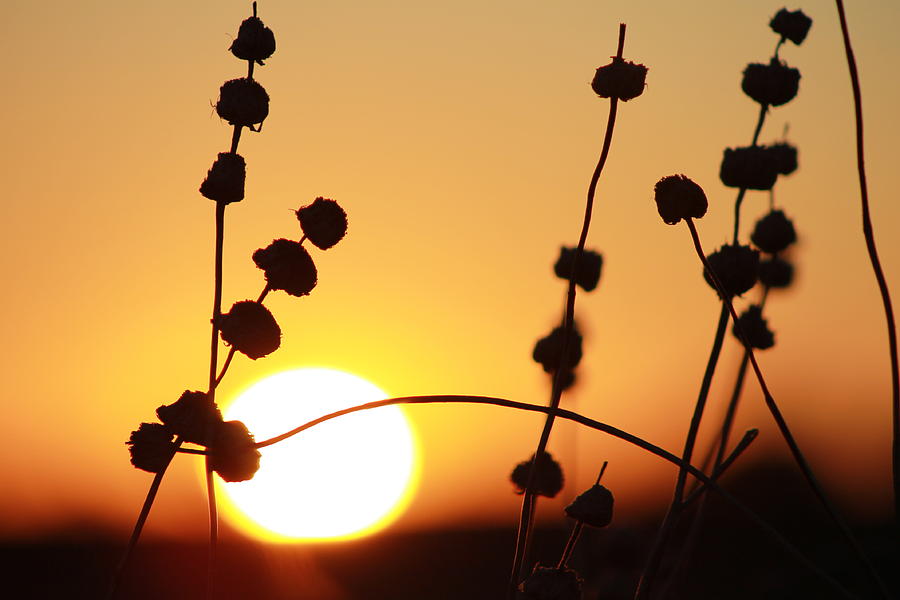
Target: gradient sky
460, 138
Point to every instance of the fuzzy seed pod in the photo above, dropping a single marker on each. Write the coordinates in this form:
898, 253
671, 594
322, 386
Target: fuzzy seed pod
190, 416
773, 233
678, 197
755, 328
773, 84
567, 379
324, 222
593, 507
254, 41
737, 268
785, 157
550, 583
243, 102
791, 25
151, 447
776, 272
251, 329
589, 266
620, 79
548, 350
548, 479
288, 266
232, 454
748, 167
225, 179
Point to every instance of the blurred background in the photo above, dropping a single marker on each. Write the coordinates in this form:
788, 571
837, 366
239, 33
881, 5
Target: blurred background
460, 139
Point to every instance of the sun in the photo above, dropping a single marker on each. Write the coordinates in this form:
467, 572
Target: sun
342, 479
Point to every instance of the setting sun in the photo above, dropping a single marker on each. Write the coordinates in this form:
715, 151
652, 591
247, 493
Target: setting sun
345, 478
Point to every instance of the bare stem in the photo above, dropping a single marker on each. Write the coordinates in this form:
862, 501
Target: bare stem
763, 110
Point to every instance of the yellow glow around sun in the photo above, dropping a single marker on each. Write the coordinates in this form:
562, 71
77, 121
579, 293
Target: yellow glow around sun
342, 479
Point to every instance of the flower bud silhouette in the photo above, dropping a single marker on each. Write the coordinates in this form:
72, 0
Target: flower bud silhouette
150, 447
243, 102
620, 79
755, 328
736, 266
251, 329
288, 266
548, 350
233, 454
776, 272
593, 507
588, 274
548, 477
324, 222
190, 416
225, 180
749, 167
551, 583
791, 25
254, 41
678, 197
785, 157
773, 233
773, 84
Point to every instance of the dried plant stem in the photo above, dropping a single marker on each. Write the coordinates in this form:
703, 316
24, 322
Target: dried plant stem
232, 350
763, 110
873, 257
528, 502
799, 458
576, 530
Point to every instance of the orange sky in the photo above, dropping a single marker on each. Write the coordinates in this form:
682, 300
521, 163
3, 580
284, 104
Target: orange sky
460, 139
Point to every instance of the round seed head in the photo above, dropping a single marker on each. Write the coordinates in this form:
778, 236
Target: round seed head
737, 268
190, 417
567, 379
324, 222
678, 197
251, 329
232, 454
588, 274
593, 507
548, 477
755, 328
773, 233
785, 157
620, 79
548, 350
550, 583
749, 167
225, 180
254, 41
773, 84
151, 447
288, 266
776, 272
791, 25
243, 102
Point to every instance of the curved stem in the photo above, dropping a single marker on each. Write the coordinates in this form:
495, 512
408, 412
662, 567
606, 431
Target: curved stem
868, 233
232, 350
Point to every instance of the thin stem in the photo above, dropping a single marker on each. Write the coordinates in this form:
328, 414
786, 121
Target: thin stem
723, 466
799, 458
570, 544
873, 257
763, 110
527, 514
731, 411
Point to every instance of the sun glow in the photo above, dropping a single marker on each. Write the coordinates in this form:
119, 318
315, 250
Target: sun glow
342, 479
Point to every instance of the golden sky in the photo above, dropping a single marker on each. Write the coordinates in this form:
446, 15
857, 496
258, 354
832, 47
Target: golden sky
460, 138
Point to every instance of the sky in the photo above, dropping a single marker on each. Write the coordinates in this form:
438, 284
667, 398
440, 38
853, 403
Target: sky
460, 138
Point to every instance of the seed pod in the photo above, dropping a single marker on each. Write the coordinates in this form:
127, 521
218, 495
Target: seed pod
550, 583
190, 416
791, 25
773, 84
589, 267
737, 268
225, 180
324, 222
755, 328
548, 350
548, 478
776, 272
151, 447
254, 41
620, 79
774, 232
232, 454
678, 197
251, 329
567, 379
593, 507
785, 157
288, 266
243, 102
748, 167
